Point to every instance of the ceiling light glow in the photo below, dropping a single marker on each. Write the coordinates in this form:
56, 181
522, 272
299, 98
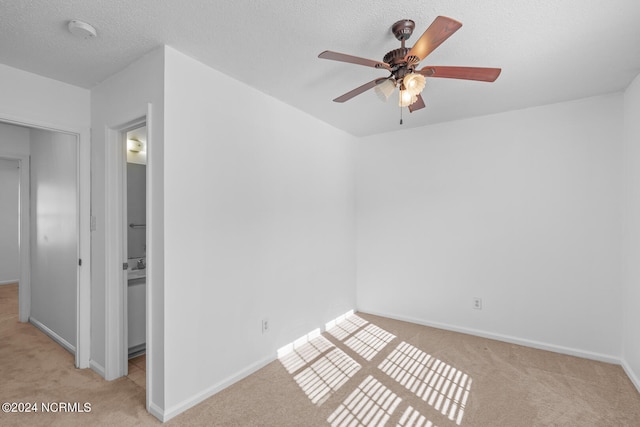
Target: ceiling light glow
406, 98
414, 83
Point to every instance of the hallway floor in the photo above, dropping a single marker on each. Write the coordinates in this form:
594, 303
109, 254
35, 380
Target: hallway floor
34, 369
138, 370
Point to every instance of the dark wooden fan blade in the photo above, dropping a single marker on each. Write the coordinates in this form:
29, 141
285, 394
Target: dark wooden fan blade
440, 29
417, 105
357, 91
464, 73
342, 57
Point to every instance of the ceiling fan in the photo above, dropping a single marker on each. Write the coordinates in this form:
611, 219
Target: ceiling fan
402, 63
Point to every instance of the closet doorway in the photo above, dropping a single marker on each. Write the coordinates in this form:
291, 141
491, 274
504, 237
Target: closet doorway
44, 240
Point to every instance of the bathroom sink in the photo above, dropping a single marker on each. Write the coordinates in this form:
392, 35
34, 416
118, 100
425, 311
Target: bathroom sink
136, 274
137, 268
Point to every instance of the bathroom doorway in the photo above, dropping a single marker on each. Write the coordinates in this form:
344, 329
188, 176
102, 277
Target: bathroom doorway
135, 241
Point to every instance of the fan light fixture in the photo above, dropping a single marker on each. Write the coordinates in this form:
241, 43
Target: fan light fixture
414, 83
410, 87
406, 98
385, 89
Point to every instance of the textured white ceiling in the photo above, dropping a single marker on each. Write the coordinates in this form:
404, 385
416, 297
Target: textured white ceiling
549, 50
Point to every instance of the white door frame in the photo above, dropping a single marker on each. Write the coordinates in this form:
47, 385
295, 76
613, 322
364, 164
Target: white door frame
83, 182
24, 280
116, 360
114, 316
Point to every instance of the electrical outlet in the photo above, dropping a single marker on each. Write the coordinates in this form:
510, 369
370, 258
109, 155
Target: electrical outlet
477, 303
265, 325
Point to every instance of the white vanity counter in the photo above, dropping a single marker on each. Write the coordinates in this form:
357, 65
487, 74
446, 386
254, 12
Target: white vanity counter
136, 274
136, 302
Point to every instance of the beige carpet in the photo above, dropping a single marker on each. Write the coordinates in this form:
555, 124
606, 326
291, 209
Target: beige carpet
366, 370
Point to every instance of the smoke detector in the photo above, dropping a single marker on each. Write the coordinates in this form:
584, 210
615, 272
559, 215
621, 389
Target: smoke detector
82, 29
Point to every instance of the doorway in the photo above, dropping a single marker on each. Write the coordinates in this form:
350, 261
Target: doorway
9, 221
135, 240
47, 227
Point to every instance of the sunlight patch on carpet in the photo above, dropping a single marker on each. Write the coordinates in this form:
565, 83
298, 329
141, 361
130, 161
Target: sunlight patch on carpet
442, 386
344, 326
297, 354
369, 341
370, 404
326, 375
412, 418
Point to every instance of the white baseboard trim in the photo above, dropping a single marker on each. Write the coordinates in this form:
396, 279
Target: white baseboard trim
631, 374
156, 411
505, 338
54, 336
96, 367
166, 415
8, 282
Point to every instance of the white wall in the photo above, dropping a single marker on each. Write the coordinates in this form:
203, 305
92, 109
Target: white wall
259, 223
9, 221
54, 235
42, 100
14, 139
631, 336
522, 209
115, 102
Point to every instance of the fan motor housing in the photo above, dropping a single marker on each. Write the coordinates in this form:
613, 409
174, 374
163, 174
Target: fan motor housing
396, 56
399, 66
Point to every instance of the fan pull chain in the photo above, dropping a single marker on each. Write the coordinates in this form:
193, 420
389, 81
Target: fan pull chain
400, 115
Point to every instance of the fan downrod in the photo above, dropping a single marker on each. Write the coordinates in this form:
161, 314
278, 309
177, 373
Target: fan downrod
396, 58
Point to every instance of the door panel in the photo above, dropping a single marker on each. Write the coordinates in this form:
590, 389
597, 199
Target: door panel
54, 235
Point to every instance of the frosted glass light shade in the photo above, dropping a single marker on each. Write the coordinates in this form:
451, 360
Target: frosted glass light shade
135, 146
414, 83
406, 98
385, 89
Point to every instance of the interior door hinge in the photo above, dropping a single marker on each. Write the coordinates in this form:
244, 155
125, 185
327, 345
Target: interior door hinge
125, 265
80, 262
